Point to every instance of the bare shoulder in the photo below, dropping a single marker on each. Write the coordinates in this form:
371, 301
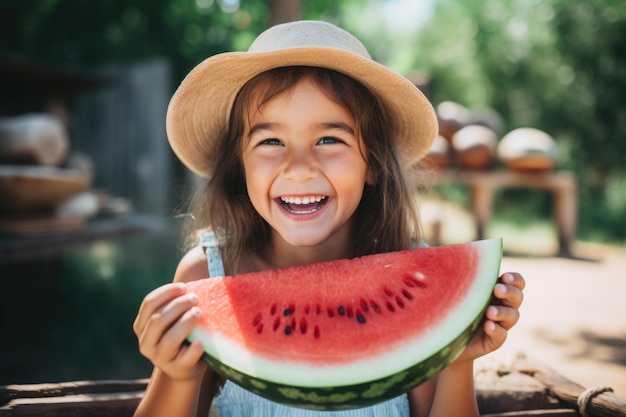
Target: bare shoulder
193, 266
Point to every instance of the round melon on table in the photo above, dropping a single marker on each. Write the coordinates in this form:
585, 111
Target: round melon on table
438, 156
528, 149
451, 116
475, 147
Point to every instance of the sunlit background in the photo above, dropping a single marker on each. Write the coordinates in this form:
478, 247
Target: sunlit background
107, 70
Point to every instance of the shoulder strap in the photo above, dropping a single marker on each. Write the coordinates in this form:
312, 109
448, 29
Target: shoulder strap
209, 242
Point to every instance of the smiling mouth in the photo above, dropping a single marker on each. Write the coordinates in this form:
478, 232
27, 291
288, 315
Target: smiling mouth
303, 205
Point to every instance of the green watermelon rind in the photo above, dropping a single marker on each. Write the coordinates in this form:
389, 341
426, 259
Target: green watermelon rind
349, 397
361, 394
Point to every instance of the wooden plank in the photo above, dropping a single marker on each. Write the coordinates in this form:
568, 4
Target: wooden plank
500, 401
561, 412
511, 179
604, 405
105, 398
38, 246
14, 391
92, 405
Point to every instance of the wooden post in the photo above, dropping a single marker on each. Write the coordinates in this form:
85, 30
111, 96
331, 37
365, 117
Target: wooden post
285, 11
565, 214
482, 206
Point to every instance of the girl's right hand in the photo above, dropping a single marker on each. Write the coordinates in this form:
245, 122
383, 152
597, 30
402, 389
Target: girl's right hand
166, 317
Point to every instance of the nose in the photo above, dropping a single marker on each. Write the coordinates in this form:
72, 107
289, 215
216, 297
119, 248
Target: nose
300, 165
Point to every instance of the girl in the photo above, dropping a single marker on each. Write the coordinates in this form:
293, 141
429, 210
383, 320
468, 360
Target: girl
307, 144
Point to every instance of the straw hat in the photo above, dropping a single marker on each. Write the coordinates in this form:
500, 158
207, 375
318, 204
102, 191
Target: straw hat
198, 112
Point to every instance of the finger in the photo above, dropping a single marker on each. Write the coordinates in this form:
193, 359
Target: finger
495, 336
503, 316
154, 301
508, 295
190, 354
162, 320
170, 344
513, 278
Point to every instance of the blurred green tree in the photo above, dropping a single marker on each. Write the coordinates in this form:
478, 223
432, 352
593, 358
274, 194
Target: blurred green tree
82, 34
558, 65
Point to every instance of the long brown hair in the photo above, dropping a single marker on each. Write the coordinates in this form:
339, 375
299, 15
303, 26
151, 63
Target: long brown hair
385, 219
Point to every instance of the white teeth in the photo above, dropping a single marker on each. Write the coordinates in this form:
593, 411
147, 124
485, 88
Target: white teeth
303, 200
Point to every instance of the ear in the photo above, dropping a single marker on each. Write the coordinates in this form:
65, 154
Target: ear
369, 177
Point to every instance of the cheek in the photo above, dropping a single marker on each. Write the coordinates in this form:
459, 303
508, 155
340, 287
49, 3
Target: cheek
258, 179
349, 182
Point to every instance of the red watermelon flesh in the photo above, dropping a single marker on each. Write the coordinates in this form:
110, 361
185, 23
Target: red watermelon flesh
343, 323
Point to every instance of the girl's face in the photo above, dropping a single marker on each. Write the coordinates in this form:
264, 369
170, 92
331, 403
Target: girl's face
304, 166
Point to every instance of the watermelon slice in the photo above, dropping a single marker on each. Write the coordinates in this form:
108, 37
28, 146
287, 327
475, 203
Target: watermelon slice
347, 333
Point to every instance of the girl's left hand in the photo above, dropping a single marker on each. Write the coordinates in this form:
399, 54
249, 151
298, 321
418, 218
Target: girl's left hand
501, 315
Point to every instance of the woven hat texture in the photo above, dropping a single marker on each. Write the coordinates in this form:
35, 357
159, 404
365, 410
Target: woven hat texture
199, 110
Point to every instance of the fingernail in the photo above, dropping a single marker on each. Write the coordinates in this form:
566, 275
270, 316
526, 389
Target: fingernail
493, 311
193, 298
508, 278
195, 311
502, 288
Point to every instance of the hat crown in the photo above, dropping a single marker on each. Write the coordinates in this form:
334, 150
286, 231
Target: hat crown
307, 34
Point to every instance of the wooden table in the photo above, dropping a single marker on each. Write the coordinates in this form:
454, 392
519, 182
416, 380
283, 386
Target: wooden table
38, 246
483, 184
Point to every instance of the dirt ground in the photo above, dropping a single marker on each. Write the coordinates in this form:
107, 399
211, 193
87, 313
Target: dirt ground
573, 317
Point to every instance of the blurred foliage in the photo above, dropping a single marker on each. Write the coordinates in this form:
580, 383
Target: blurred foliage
80, 34
557, 65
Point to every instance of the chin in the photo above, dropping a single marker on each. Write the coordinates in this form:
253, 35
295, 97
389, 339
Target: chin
304, 240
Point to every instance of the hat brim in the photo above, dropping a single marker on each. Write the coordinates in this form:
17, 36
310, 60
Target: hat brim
200, 108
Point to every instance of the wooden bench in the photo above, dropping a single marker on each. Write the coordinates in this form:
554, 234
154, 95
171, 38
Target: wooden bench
525, 389
483, 184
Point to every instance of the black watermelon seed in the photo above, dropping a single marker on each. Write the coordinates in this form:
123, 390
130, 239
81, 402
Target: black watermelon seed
390, 307
407, 295
289, 310
360, 318
341, 311
288, 330
399, 302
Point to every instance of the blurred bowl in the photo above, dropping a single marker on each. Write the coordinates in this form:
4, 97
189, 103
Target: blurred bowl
38, 188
